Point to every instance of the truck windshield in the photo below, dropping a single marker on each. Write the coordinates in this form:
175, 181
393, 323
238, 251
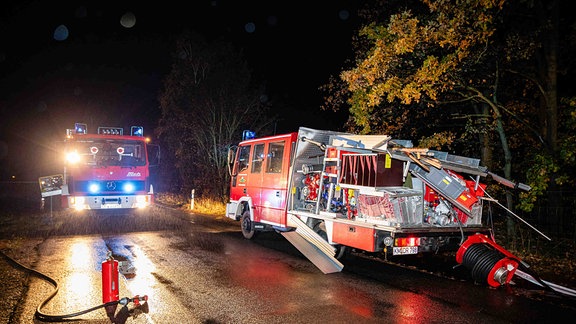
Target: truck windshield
107, 152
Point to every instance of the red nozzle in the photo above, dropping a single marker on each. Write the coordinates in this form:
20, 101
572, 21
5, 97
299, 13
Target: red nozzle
137, 299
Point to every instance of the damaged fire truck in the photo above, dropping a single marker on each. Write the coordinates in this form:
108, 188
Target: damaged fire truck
329, 192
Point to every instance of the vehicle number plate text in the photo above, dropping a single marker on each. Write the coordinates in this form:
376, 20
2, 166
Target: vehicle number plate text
405, 250
110, 206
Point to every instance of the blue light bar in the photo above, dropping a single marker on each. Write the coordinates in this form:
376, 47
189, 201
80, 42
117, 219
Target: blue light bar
137, 131
248, 134
80, 128
110, 130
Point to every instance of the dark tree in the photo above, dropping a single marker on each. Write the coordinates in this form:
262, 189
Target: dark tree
208, 99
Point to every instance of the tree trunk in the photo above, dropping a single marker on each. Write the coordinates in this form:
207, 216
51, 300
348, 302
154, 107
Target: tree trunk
493, 105
549, 17
487, 148
510, 224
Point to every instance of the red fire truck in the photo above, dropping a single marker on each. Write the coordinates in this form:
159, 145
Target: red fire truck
108, 170
329, 192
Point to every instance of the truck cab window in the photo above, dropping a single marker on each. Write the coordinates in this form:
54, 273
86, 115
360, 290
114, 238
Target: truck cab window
243, 158
104, 153
257, 158
274, 157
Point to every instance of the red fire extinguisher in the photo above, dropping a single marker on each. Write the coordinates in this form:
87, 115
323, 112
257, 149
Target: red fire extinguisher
110, 291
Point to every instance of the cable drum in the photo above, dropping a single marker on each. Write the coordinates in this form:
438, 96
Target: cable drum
481, 259
484, 257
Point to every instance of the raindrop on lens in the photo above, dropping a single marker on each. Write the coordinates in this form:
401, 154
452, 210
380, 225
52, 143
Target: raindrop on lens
250, 27
61, 33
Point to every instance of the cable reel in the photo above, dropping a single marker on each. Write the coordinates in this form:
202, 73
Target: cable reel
489, 262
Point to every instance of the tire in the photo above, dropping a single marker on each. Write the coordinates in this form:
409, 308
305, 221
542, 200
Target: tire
341, 250
247, 226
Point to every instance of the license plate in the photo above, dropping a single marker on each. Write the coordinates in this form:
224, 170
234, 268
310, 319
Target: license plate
405, 250
106, 206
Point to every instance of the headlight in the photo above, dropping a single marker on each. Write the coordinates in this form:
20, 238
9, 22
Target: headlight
142, 202
73, 157
77, 203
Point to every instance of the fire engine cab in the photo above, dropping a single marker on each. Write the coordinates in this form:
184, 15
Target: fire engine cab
108, 170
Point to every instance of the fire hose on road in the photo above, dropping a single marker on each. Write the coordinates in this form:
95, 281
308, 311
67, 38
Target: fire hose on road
110, 295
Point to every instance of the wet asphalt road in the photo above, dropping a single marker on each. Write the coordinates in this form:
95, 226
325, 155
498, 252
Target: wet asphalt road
199, 269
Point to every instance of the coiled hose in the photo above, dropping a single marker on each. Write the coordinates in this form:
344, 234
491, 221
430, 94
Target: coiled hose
480, 259
41, 316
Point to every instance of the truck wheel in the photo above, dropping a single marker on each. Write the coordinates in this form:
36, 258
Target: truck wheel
247, 226
341, 250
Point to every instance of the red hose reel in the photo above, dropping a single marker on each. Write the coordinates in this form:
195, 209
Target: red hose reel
488, 261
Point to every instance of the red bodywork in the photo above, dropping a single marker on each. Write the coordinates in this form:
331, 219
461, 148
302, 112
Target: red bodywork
263, 176
116, 165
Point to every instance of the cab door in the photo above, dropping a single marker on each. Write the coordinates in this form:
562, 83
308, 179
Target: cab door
254, 177
241, 185
275, 181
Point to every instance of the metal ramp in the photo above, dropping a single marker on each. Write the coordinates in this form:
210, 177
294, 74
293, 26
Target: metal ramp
313, 247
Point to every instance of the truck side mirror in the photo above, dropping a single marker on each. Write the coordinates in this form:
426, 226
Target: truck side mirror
230, 160
153, 155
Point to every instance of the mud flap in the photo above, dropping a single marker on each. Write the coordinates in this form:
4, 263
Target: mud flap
313, 247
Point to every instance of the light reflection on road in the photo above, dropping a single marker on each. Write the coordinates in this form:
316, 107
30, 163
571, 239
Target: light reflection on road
143, 282
79, 286
83, 276
277, 282
355, 301
80, 254
77, 278
79, 283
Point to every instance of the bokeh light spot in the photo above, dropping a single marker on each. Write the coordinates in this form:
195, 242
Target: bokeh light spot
250, 27
344, 14
61, 33
128, 20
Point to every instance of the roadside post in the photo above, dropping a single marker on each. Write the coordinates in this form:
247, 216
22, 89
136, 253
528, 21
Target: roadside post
192, 200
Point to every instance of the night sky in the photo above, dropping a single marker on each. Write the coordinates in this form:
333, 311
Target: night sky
91, 61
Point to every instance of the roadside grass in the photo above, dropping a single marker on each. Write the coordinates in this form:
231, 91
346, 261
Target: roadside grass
205, 206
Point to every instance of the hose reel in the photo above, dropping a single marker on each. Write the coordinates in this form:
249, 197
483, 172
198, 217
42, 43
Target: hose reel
489, 263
